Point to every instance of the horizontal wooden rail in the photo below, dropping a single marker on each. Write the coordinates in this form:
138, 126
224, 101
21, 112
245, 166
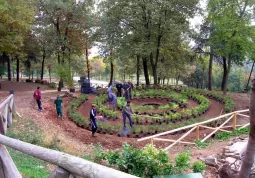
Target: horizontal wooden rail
193, 125
203, 126
182, 137
74, 165
169, 140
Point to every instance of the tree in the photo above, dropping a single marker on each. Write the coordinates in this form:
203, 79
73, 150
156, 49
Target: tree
97, 65
148, 25
71, 22
15, 20
231, 33
250, 150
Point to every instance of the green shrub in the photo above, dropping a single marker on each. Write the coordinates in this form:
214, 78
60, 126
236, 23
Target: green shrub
182, 162
226, 135
200, 144
53, 85
146, 162
198, 167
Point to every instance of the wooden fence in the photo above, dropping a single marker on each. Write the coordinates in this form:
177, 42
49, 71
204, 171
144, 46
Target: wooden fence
68, 166
225, 119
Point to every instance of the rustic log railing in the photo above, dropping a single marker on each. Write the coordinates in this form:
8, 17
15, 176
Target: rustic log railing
226, 118
68, 166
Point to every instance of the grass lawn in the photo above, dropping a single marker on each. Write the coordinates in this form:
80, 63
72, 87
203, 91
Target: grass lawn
26, 130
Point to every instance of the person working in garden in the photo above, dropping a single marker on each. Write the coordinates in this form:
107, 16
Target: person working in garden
119, 87
109, 91
131, 86
113, 101
58, 102
127, 112
126, 89
93, 117
38, 97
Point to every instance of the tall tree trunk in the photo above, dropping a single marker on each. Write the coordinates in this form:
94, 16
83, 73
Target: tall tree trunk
224, 72
13, 72
17, 69
32, 74
9, 64
111, 77
61, 82
43, 61
87, 60
154, 70
50, 73
177, 80
225, 76
159, 80
250, 150
145, 71
210, 70
250, 76
154, 65
69, 59
137, 69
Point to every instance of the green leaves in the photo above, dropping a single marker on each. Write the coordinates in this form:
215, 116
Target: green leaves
15, 20
146, 162
198, 167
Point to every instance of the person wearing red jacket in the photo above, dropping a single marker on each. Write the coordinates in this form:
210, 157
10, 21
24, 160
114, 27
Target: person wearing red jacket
38, 98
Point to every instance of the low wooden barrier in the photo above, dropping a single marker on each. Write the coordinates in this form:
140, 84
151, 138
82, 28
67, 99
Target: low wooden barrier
197, 126
68, 166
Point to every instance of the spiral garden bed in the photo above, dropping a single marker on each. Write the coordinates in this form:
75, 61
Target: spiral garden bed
157, 110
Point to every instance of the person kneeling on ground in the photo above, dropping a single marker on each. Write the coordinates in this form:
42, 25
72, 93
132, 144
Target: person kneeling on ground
127, 112
58, 102
93, 117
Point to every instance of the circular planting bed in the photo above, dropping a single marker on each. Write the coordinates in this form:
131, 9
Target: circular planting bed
157, 110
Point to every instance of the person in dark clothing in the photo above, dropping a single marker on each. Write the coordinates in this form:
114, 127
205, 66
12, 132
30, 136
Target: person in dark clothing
93, 117
131, 86
38, 97
119, 87
126, 89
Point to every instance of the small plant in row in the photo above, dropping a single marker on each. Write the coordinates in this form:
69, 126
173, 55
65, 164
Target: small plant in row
73, 111
162, 94
229, 104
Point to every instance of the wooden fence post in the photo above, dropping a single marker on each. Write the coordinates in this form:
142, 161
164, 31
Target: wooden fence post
8, 167
152, 141
10, 113
60, 173
6, 113
197, 133
234, 122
